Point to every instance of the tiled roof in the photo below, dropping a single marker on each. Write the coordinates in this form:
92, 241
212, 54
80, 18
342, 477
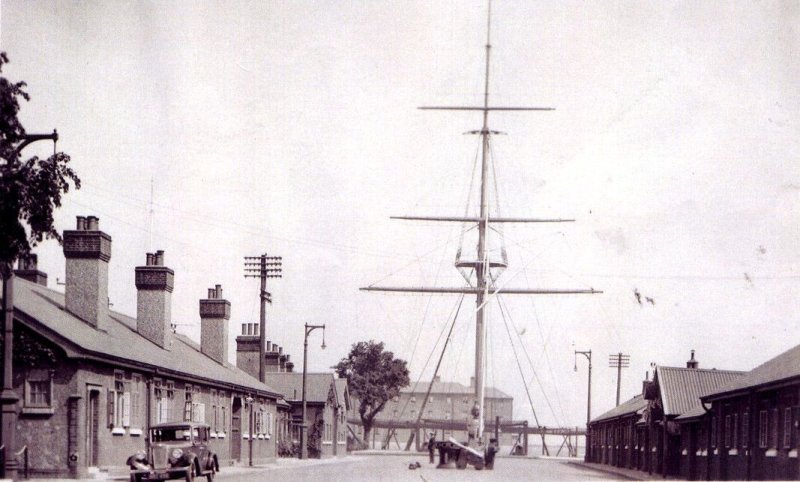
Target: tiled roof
450, 388
782, 367
630, 407
121, 341
694, 413
290, 384
681, 387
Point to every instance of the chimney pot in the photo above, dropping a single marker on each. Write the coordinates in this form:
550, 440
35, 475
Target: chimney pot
28, 269
280, 350
256, 328
692, 363
87, 254
214, 315
269, 345
159, 258
93, 223
154, 286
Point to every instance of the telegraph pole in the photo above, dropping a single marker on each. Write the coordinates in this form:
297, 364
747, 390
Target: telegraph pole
263, 267
619, 361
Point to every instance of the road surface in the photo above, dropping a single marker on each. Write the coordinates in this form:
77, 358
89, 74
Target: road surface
395, 468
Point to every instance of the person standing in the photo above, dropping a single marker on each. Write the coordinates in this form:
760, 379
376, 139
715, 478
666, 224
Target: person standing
431, 443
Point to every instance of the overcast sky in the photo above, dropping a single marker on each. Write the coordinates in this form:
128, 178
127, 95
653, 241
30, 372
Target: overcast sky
291, 128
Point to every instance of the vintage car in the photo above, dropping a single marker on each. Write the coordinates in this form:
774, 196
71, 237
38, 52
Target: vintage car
176, 450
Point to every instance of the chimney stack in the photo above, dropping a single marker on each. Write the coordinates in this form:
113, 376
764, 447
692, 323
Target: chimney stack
154, 284
214, 315
247, 351
87, 251
27, 268
692, 363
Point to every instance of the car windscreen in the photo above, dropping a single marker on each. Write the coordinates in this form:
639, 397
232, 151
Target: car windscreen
170, 434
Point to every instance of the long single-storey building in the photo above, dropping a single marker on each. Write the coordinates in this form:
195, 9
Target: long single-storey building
644, 432
91, 381
752, 424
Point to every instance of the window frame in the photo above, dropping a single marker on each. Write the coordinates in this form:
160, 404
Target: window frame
43, 377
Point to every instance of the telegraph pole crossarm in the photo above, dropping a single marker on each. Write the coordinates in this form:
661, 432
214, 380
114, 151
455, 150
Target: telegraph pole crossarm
263, 267
619, 361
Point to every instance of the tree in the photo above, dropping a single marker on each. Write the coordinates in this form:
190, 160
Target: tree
374, 376
30, 190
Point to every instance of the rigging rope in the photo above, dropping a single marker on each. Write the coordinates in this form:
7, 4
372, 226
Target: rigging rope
504, 312
521, 374
456, 309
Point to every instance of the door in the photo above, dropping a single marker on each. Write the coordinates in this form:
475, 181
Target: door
92, 428
236, 429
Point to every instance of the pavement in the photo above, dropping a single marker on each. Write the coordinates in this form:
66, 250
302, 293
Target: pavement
619, 472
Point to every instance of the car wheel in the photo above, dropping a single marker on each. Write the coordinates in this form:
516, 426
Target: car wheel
190, 473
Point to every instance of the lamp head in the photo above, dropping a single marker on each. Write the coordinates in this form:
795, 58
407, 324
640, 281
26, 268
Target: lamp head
323, 346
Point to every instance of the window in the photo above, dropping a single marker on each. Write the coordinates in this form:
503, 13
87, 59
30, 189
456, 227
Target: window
745, 429
713, 432
763, 430
187, 403
38, 392
137, 407
119, 404
727, 432
164, 394
222, 426
787, 428
413, 399
193, 410
773, 439
735, 431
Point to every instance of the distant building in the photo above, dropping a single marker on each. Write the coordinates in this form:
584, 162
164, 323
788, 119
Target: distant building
91, 381
448, 402
327, 403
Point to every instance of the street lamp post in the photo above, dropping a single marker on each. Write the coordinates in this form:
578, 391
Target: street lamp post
250, 401
588, 355
8, 397
303, 427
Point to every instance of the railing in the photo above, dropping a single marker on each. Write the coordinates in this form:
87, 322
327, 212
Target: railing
23, 452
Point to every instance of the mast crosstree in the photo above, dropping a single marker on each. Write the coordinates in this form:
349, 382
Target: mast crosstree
484, 288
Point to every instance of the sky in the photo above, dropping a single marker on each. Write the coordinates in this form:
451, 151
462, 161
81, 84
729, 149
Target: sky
220, 130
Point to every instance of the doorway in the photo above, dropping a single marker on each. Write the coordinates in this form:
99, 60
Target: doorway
236, 429
92, 428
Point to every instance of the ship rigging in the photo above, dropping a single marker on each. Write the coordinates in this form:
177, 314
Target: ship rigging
481, 273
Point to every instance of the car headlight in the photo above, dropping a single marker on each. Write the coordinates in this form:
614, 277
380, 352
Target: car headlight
175, 456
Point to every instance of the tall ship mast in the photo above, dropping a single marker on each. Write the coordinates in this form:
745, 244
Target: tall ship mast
481, 273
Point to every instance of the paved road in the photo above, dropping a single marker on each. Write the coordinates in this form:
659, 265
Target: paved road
395, 468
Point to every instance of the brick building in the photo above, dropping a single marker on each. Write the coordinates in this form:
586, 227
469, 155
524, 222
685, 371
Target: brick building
752, 428
645, 433
91, 381
327, 403
448, 401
